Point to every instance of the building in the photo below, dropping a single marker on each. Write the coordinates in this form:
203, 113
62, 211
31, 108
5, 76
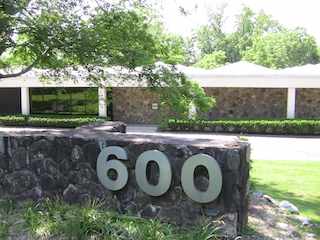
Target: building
242, 90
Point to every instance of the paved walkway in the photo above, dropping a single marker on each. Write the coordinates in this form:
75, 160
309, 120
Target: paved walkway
263, 147
266, 147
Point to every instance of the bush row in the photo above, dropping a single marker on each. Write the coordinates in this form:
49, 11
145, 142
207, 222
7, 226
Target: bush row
252, 126
61, 121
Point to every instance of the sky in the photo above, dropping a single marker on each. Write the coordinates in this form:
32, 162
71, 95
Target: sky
290, 13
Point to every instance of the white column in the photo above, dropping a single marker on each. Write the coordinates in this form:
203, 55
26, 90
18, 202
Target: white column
25, 101
102, 102
291, 103
192, 111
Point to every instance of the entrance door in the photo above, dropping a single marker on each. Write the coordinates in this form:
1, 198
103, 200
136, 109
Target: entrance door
10, 101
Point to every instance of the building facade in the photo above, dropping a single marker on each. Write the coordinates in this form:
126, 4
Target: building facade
241, 90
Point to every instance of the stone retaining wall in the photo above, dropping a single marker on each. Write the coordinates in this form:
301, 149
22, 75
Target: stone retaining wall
39, 165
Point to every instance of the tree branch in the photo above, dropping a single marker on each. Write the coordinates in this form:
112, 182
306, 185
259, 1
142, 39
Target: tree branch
27, 69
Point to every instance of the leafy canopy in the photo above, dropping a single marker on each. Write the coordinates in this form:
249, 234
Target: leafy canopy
72, 38
257, 38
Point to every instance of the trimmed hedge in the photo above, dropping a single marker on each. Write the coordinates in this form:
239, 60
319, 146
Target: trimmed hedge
60, 121
252, 126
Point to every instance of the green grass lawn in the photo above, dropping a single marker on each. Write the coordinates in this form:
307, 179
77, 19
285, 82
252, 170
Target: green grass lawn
295, 181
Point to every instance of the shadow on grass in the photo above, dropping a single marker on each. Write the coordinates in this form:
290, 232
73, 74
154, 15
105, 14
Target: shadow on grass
308, 208
279, 195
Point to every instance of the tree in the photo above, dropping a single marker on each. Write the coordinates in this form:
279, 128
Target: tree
258, 38
281, 50
68, 36
213, 60
211, 37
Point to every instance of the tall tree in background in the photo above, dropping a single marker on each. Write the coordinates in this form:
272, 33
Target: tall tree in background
257, 38
71, 39
281, 50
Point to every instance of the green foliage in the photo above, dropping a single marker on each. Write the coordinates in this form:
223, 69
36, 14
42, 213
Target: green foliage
13, 120
257, 38
175, 91
91, 221
281, 50
252, 126
72, 39
213, 60
50, 120
170, 46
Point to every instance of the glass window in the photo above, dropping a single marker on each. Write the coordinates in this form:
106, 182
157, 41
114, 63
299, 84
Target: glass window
77, 101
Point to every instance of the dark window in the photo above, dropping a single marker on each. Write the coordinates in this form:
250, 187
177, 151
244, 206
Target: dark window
77, 101
10, 101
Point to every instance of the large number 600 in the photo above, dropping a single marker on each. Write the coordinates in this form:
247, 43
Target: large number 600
104, 165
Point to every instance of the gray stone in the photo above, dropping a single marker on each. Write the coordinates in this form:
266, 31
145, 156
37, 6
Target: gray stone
13, 146
129, 208
230, 191
164, 201
91, 152
190, 210
21, 158
305, 223
70, 194
127, 194
77, 154
19, 181
5, 164
37, 166
26, 141
176, 194
50, 137
35, 193
149, 211
282, 225
87, 172
171, 214
75, 177
2, 145
109, 203
233, 161
95, 190
270, 199
50, 167
230, 222
85, 199
64, 167
60, 150
257, 194
142, 199
47, 182
39, 149
285, 205
61, 181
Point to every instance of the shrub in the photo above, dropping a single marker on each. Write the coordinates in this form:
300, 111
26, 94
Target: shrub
50, 120
252, 126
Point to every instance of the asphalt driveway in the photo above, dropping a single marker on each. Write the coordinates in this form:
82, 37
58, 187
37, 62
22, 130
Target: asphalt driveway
264, 147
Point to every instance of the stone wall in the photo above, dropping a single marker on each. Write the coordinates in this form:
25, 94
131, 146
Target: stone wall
308, 103
247, 103
38, 165
135, 106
